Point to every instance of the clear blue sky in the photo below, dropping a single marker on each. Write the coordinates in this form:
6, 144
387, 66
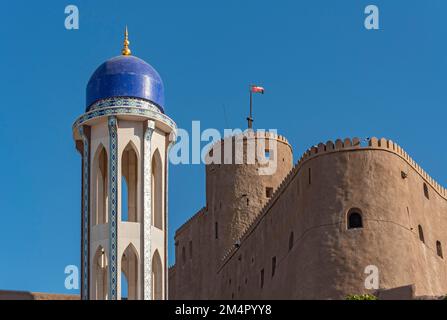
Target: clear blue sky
325, 76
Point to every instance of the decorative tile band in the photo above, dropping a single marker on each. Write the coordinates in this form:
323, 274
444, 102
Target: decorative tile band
85, 215
125, 102
115, 109
113, 207
147, 210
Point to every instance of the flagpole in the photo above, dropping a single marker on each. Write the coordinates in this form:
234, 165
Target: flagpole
250, 118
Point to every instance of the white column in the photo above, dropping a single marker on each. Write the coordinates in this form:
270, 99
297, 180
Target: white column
171, 142
147, 208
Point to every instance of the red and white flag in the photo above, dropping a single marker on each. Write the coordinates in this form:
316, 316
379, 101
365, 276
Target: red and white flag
257, 89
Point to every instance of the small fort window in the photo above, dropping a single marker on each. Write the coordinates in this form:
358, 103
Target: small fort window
439, 248
421, 233
262, 278
269, 192
310, 175
426, 191
273, 266
355, 220
291, 241
216, 231
183, 254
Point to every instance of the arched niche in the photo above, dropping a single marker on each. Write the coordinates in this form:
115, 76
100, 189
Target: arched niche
157, 277
100, 275
100, 186
157, 190
129, 267
129, 183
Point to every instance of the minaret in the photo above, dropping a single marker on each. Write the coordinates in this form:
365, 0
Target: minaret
124, 138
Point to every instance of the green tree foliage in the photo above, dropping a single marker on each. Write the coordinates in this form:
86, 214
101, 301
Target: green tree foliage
361, 297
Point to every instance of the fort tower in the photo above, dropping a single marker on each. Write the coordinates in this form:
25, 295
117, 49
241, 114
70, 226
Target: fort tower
237, 190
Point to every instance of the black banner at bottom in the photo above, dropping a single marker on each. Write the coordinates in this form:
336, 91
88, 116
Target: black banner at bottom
220, 309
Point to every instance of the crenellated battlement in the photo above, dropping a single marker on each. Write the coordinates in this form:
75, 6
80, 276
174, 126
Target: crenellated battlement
329, 147
250, 134
373, 144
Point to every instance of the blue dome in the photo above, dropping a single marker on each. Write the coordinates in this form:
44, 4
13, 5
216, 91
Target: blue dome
125, 76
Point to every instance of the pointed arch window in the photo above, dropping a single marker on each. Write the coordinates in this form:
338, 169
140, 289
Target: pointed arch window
129, 268
100, 186
129, 184
99, 275
157, 277
157, 190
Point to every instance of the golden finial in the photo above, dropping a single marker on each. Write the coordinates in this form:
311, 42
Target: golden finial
126, 51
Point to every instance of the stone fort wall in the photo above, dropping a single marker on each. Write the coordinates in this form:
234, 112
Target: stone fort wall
298, 245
